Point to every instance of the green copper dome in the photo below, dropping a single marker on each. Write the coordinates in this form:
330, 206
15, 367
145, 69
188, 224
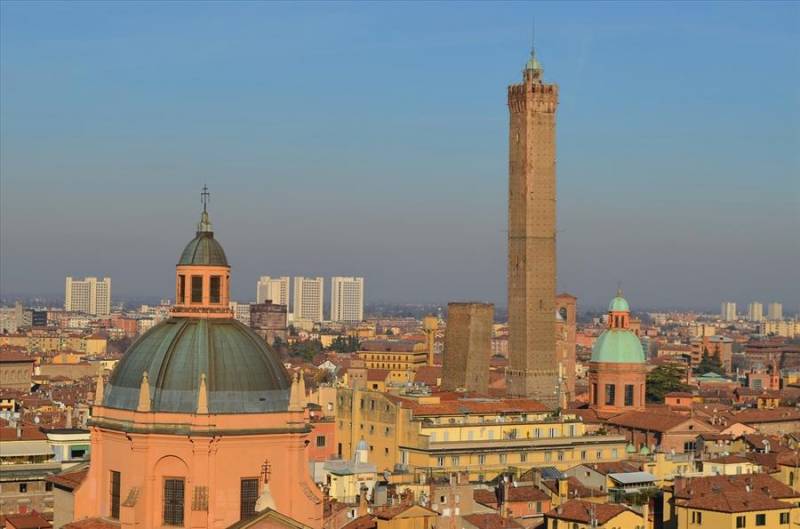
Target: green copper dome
203, 250
618, 346
243, 375
619, 304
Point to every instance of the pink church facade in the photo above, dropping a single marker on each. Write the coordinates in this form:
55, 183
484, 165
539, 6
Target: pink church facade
200, 425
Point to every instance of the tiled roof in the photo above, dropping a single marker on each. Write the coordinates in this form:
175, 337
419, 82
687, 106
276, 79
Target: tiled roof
582, 511
366, 521
613, 467
92, 523
491, 521
687, 488
654, 422
387, 513
735, 501
26, 433
13, 356
428, 375
758, 416
31, 520
70, 480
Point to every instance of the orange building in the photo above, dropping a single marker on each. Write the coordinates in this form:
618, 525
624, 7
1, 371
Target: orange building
200, 425
617, 371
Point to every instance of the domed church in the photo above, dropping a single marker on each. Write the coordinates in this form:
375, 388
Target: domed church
199, 425
617, 370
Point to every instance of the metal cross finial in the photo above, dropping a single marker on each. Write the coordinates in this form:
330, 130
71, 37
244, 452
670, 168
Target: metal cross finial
533, 36
204, 196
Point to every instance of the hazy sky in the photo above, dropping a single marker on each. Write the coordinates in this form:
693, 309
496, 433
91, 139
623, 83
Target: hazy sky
370, 139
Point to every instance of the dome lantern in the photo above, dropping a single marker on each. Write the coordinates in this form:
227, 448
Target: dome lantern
202, 282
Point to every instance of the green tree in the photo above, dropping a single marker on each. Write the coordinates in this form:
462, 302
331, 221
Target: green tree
708, 364
342, 344
663, 380
307, 350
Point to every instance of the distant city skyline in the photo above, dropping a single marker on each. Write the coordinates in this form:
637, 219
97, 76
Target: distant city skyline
372, 142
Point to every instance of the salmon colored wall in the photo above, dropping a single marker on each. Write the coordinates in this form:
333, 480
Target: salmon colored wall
217, 461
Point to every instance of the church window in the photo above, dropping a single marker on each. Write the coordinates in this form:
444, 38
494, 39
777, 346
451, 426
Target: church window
248, 497
628, 394
611, 394
215, 289
181, 289
115, 489
174, 500
197, 289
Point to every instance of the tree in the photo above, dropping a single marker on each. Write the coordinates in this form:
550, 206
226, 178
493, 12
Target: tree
343, 344
308, 349
663, 380
709, 363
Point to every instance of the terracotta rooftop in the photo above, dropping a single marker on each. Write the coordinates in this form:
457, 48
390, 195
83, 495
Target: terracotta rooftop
764, 484
9, 356
581, 511
654, 422
613, 467
31, 520
366, 521
729, 460
428, 375
491, 521
92, 523
26, 433
758, 416
69, 480
387, 513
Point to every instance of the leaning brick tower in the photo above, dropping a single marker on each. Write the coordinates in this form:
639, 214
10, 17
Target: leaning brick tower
533, 367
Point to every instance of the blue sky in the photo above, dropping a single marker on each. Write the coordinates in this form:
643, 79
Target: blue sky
370, 139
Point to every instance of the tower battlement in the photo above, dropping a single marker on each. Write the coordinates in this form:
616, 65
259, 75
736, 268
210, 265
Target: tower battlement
541, 97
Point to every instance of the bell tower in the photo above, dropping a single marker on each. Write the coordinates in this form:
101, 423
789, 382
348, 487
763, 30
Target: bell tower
533, 365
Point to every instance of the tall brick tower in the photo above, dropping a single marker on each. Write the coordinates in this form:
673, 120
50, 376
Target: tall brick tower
533, 366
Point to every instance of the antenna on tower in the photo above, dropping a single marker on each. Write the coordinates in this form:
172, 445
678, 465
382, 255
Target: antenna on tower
533, 36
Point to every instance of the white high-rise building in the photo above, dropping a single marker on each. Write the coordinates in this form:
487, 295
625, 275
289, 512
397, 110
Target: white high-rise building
755, 311
241, 311
347, 299
309, 294
775, 311
90, 296
728, 311
274, 289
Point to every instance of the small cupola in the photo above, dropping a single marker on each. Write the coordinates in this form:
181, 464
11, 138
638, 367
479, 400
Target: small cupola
202, 282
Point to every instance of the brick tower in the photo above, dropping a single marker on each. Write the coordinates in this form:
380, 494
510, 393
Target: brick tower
533, 366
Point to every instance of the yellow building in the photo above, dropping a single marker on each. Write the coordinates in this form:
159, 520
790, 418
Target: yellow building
734, 502
443, 433
580, 514
401, 358
730, 465
95, 345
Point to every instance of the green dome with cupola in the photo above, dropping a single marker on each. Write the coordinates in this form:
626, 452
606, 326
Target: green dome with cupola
618, 344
